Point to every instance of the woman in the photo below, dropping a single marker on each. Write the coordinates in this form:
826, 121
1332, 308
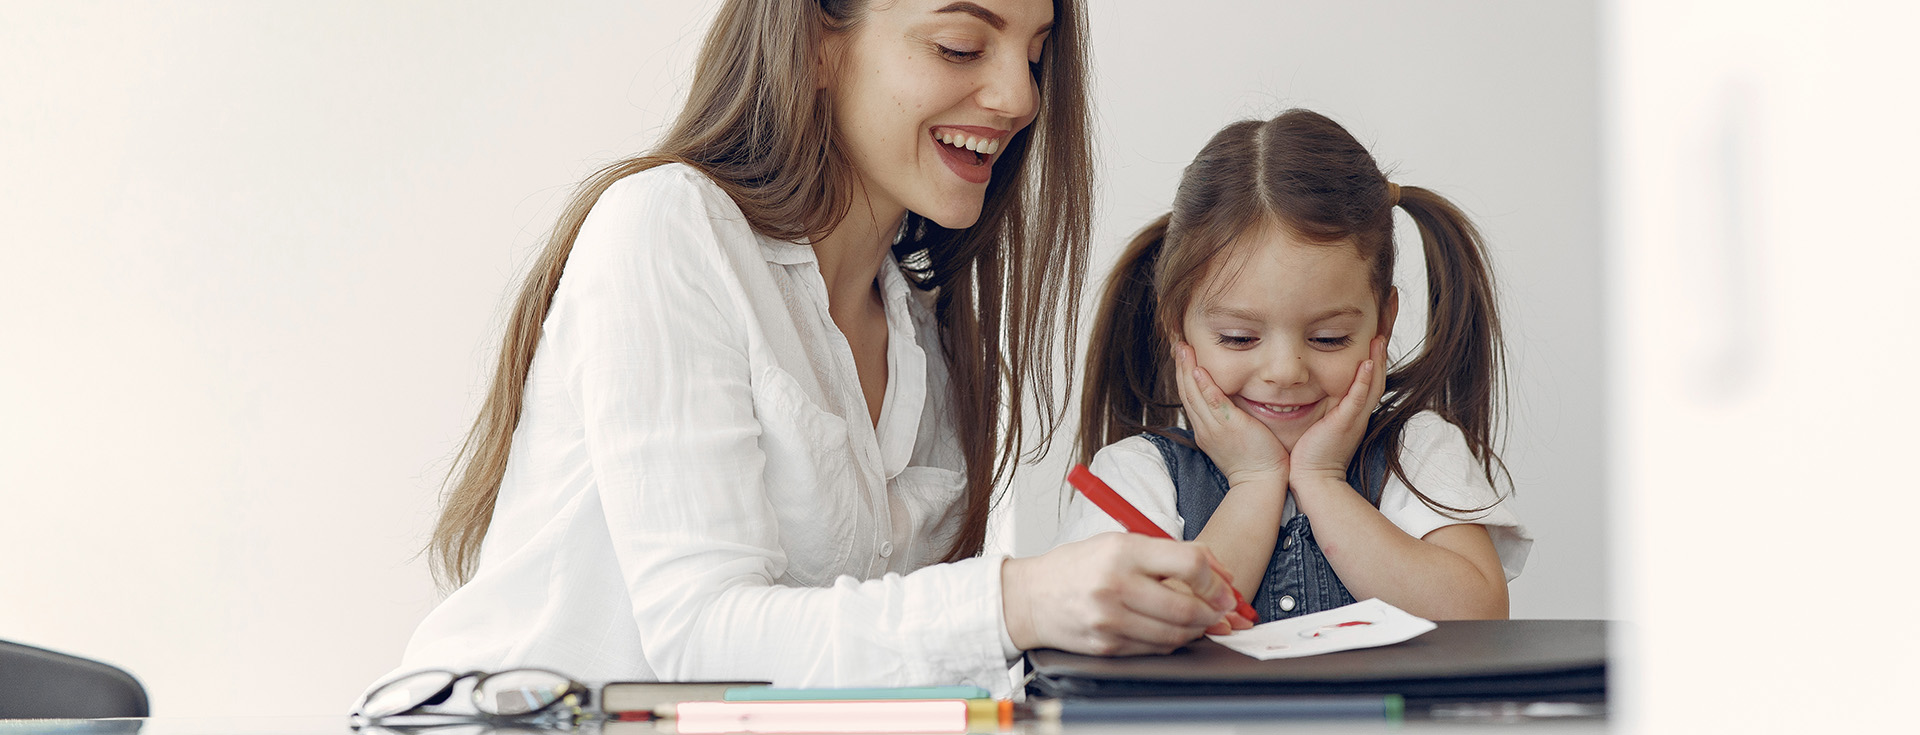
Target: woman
745, 420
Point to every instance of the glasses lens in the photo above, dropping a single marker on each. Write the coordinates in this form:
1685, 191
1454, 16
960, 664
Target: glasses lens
406, 693
520, 691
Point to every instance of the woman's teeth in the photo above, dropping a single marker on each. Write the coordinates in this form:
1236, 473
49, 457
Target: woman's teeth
983, 146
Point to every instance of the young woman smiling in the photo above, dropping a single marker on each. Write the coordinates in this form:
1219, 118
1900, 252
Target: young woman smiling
747, 417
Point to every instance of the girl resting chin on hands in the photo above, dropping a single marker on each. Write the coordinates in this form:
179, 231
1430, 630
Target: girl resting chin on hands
1257, 314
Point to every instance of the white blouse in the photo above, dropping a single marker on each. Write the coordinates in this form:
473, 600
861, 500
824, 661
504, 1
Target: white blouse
695, 491
1433, 452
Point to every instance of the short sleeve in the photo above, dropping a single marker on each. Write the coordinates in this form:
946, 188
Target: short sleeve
1134, 468
1435, 456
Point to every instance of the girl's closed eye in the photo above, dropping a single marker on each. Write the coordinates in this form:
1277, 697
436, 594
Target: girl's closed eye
1331, 343
1236, 340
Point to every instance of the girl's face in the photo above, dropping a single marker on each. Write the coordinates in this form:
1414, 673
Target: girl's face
1281, 326
927, 94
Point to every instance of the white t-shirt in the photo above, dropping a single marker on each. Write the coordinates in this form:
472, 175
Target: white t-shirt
1433, 452
695, 490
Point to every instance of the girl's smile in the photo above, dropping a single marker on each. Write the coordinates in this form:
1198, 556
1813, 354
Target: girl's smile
1272, 412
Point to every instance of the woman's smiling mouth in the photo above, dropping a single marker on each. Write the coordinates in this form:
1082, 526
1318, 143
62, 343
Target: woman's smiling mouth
968, 150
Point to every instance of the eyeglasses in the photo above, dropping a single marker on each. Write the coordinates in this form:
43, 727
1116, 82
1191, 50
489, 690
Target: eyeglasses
514, 694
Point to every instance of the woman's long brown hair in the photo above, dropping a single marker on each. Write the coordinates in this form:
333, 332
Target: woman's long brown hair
755, 124
1305, 173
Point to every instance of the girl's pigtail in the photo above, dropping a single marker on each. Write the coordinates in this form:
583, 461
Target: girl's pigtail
1126, 354
1460, 370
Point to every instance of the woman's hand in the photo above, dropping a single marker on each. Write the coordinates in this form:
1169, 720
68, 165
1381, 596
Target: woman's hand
1323, 452
1244, 449
1115, 594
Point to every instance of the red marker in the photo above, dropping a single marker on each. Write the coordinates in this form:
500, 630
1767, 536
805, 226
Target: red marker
1109, 501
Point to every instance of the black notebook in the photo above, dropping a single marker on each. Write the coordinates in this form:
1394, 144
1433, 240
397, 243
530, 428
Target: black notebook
1560, 660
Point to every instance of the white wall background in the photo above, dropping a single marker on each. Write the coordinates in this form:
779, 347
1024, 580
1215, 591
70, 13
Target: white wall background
254, 256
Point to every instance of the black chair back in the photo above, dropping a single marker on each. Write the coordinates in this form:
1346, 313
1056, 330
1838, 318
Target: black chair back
36, 683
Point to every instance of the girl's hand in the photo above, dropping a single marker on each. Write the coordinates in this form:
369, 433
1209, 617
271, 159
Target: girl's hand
1328, 445
1116, 594
1245, 450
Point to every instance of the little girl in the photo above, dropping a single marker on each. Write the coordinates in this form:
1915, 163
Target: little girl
1257, 314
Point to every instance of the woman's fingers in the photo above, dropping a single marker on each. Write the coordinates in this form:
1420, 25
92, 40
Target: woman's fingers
1161, 601
1190, 564
1114, 594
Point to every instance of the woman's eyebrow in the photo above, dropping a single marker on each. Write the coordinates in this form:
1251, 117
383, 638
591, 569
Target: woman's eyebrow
991, 18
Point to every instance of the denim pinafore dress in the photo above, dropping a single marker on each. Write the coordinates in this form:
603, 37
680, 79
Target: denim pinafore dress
1298, 580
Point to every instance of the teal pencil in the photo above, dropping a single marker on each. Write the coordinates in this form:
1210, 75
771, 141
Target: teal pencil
777, 694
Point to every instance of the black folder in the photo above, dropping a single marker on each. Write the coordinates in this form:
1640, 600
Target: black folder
1477, 660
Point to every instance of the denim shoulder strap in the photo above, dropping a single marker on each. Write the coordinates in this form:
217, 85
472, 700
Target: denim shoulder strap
1374, 478
1198, 485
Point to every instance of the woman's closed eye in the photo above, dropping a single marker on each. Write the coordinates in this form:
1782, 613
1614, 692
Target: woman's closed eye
958, 56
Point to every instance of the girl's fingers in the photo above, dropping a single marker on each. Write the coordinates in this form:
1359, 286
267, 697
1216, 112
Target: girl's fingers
1379, 387
1211, 394
1183, 380
1201, 411
1354, 402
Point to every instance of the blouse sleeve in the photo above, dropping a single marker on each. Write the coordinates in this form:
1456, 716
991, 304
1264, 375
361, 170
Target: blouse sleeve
1135, 470
1435, 456
652, 324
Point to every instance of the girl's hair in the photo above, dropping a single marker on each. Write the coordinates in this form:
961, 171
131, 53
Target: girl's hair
1306, 174
756, 124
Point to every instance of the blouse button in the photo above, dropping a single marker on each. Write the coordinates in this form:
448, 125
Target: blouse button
886, 549
1286, 603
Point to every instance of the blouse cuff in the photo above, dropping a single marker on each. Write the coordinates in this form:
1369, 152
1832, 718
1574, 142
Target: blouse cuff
964, 614
1007, 649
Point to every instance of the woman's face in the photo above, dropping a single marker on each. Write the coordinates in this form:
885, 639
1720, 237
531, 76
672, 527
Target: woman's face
927, 94
1282, 329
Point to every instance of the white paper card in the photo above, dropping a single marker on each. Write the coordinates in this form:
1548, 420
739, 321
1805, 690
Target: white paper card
1363, 624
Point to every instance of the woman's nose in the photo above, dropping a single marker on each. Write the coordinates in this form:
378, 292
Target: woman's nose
1010, 89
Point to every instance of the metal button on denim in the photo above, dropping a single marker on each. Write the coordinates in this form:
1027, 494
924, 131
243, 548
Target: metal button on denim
886, 549
1286, 543
1286, 603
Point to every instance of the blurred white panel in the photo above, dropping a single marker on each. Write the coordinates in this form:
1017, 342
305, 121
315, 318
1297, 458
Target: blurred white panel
1760, 270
